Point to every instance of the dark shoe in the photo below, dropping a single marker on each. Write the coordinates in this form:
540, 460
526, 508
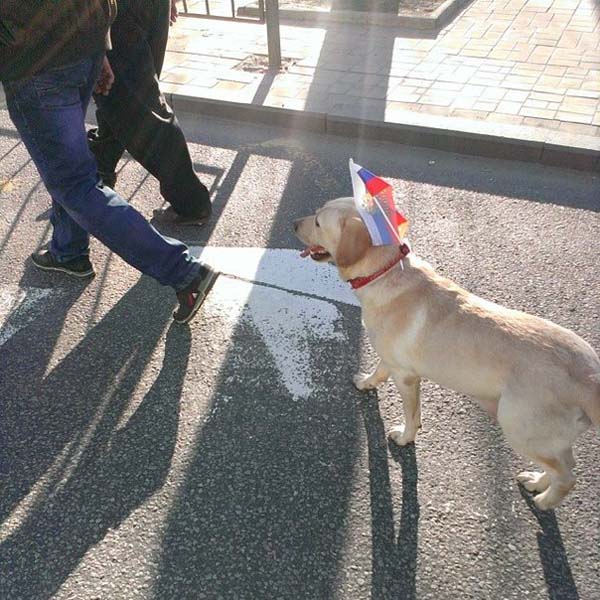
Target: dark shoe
191, 299
168, 216
77, 267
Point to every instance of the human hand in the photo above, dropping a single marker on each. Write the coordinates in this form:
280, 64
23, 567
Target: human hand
105, 79
174, 11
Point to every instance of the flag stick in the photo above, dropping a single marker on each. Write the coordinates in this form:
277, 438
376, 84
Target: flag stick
386, 219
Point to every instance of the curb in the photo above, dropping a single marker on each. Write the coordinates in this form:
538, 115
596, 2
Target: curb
438, 18
463, 136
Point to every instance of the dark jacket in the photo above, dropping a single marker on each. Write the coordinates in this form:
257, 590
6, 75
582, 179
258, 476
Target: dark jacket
40, 34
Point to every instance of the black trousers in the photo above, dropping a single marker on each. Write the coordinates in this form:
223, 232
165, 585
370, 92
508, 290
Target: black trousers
135, 116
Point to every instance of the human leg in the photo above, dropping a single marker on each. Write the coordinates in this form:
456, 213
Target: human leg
137, 114
69, 241
49, 112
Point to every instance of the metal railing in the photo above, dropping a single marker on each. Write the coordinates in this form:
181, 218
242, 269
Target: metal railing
204, 9
267, 12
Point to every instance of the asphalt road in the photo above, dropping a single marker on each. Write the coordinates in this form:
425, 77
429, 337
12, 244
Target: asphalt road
234, 458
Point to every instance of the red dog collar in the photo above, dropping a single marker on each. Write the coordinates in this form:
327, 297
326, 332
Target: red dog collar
359, 282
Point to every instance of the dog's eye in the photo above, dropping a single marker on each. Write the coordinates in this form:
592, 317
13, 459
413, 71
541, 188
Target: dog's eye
317, 223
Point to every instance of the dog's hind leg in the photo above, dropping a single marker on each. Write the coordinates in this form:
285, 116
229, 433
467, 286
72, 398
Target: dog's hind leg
363, 381
559, 470
545, 440
409, 387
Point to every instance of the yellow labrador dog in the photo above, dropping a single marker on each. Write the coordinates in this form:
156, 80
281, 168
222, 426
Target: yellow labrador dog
540, 381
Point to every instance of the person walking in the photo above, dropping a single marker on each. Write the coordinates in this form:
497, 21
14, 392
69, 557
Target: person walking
136, 117
51, 55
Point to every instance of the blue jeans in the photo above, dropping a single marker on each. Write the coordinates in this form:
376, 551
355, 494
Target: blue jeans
49, 110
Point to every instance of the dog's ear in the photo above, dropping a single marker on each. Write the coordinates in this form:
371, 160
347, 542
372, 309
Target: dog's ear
354, 243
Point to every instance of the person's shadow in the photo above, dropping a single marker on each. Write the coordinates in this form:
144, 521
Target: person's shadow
107, 468
28, 337
394, 560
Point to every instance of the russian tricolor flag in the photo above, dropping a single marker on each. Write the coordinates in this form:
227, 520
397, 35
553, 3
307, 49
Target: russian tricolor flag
374, 199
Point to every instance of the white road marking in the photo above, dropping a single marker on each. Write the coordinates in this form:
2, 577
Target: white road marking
286, 298
280, 267
290, 323
18, 307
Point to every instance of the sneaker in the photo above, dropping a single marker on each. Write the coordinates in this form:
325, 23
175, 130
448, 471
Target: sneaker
77, 267
168, 216
191, 299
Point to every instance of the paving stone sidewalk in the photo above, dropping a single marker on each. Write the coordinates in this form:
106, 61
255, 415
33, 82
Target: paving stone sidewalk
522, 63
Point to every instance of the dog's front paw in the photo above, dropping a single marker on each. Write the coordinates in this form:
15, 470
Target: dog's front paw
400, 436
362, 382
533, 482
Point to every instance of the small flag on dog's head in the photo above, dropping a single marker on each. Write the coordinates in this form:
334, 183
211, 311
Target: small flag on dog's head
374, 199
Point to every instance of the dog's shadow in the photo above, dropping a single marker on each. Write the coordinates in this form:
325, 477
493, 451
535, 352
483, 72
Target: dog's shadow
557, 572
394, 561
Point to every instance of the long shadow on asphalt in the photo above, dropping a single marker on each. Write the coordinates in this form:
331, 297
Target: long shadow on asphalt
24, 358
262, 512
242, 524
557, 572
518, 180
263, 508
87, 473
394, 561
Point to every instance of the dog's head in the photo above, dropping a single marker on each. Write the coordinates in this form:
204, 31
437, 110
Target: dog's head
335, 233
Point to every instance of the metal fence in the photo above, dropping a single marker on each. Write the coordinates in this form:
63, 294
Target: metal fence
224, 10
267, 11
